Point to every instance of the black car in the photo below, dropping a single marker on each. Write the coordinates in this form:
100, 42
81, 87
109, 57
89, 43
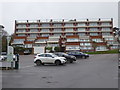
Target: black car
78, 54
69, 58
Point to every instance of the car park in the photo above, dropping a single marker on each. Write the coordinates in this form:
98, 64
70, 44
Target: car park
69, 58
49, 58
78, 54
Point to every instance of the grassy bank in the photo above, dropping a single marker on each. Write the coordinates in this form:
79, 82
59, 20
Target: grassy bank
104, 52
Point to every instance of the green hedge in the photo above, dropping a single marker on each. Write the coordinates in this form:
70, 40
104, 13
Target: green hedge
104, 52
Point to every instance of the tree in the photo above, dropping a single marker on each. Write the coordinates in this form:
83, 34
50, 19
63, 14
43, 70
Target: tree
4, 44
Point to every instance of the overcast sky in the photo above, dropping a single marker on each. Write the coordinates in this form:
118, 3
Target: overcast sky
12, 11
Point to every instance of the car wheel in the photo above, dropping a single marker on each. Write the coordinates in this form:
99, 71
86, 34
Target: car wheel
71, 61
84, 57
38, 62
57, 62
43, 64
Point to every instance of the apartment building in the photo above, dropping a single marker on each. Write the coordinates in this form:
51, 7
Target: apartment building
83, 35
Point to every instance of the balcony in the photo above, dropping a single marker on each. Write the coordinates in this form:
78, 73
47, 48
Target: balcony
69, 30
72, 40
57, 30
72, 47
68, 25
41, 41
106, 25
33, 30
34, 21
33, 25
21, 21
81, 30
85, 44
21, 26
21, 31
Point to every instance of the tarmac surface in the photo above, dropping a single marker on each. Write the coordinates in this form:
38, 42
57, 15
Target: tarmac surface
98, 71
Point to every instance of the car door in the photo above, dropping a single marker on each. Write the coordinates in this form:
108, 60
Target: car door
42, 57
49, 58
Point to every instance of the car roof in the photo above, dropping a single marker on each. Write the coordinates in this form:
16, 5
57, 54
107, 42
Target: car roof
45, 53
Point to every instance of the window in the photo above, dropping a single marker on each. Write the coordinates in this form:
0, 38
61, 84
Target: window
106, 29
53, 45
45, 25
84, 40
86, 48
18, 41
93, 29
21, 25
93, 24
33, 30
106, 34
93, 34
57, 25
108, 38
85, 44
72, 48
41, 40
33, 25
81, 34
81, 29
97, 40
81, 24
101, 48
45, 35
105, 24
42, 55
57, 30
21, 35
69, 34
33, 35
48, 55
21, 30
30, 39
72, 40
28, 46
69, 25
110, 42
45, 30
58, 35
69, 30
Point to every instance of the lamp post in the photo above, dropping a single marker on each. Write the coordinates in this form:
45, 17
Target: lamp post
9, 52
117, 31
8, 40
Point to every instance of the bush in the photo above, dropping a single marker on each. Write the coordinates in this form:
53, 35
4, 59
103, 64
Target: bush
104, 52
57, 49
48, 48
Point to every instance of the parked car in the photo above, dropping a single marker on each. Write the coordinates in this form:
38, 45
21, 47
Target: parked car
1, 58
69, 58
78, 54
49, 58
26, 52
4, 56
